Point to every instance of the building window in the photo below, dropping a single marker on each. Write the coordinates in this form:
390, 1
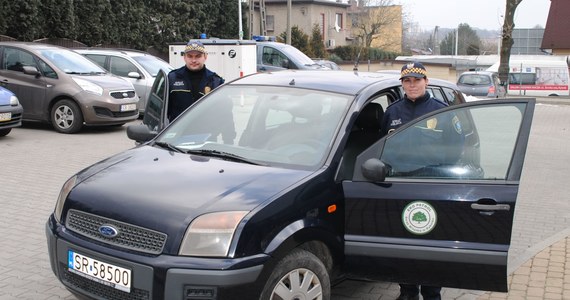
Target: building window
338, 22
270, 23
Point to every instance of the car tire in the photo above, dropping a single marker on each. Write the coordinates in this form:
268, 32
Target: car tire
4, 132
66, 117
299, 275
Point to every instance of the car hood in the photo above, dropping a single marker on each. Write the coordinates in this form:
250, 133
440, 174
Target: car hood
164, 191
107, 81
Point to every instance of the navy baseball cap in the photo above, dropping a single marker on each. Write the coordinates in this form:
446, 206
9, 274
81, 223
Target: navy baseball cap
413, 69
195, 46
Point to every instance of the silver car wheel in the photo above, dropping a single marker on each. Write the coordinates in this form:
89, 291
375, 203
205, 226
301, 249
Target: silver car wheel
64, 116
299, 284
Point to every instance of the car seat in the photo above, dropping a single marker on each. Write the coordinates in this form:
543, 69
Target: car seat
366, 131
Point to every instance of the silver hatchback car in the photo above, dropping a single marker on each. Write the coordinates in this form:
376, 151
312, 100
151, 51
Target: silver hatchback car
60, 86
138, 67
482, 84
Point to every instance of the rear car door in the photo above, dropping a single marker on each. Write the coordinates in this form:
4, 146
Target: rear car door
443, 213
155, 111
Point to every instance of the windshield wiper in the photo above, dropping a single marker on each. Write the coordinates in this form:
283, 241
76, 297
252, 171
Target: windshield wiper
226, 155
168, 146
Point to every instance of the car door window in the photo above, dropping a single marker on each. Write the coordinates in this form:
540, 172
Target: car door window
451, 95
155, 111
121, 67
15, 60
449, 145
274, 57
47, 70
99, 59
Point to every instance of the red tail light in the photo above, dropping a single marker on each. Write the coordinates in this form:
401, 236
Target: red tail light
491, 90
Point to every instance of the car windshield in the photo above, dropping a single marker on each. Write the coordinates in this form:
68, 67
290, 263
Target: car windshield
152, 64
71, 62
288, 127
298, 55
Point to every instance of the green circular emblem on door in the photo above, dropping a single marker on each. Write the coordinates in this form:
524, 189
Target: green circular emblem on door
419, 217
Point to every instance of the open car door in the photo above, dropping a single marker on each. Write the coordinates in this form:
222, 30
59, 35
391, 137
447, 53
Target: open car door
433, 202
155, 117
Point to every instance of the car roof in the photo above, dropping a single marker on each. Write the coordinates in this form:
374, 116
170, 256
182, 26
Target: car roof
31, 45
344, 82
337, 81
127, 52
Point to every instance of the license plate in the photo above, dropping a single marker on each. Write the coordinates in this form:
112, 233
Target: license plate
101, 272
5, 116
128, 107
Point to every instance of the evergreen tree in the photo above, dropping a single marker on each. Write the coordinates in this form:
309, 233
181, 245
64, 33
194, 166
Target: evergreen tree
58, 19
22, 19
299, 40
317, 44
468, 42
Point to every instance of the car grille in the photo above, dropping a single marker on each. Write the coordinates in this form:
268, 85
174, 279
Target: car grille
83, 284
123, 94
129, 237
102, 111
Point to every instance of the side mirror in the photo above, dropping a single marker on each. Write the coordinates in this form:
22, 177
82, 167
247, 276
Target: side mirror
135, 75
374, 170
285, 64
31, 70
140, 133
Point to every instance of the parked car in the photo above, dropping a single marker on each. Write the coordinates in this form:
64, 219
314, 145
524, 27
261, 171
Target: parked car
60, 86
327, 63
481, 83
139, 67
275, 56
10, 111
305, 193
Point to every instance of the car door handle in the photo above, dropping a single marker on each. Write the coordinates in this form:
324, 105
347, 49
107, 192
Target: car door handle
490, 207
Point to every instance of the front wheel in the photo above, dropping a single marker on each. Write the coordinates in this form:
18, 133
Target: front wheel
66, 117
5, 131
299, 275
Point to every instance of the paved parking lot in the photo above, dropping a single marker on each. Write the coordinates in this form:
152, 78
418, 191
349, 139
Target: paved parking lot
35, 162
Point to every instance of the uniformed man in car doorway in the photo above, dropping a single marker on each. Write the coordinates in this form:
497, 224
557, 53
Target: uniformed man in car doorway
192, 81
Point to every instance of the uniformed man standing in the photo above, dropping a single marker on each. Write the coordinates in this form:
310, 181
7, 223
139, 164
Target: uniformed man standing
192, 81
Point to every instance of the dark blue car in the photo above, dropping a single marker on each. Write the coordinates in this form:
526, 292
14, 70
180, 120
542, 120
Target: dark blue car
10, 111
278, 185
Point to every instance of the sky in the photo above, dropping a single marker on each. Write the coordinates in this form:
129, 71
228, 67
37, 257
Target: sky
482, 14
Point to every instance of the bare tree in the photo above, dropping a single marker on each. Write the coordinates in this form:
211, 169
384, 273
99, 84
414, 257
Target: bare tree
507, 39
372, 17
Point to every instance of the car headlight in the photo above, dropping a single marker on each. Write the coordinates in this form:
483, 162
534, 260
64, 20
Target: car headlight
14, 101
67, 187
89, 86
211, 234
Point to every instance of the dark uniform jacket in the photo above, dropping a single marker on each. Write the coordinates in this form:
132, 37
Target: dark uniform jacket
180, 88
441, 138
405, 110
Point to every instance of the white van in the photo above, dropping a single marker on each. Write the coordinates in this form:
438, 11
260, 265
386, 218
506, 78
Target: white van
537, 75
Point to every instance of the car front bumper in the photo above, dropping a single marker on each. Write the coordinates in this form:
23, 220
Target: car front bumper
155, 277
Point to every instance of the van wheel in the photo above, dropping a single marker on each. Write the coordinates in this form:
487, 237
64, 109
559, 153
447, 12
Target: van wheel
299, 275
66, 116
